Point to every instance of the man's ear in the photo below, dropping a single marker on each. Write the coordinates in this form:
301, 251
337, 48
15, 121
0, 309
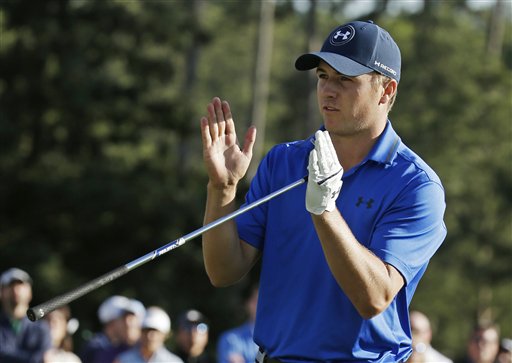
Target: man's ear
389, 91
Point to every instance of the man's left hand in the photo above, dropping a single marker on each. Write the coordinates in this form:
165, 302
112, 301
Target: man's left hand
325, 173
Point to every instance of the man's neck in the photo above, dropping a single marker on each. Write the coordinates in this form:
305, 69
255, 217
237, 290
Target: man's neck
353, 149
146, 353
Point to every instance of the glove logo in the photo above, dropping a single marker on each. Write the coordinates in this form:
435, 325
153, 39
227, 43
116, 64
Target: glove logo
361, 200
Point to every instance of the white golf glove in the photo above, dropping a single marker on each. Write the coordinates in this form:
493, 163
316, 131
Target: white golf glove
325, 172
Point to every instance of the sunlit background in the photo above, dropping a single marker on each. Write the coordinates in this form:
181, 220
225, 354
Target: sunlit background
100, 152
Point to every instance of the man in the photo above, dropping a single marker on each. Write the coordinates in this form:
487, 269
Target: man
192, 337
340, 263
20, 339
237, 345
121, 318
156, 328
421, 339
483, 344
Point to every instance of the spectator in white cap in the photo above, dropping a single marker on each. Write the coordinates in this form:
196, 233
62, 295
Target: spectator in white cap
20, 339
156, 328
121, 318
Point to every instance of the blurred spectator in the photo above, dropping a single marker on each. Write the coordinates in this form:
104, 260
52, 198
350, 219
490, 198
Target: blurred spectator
237, 345
156, 328
505, 351
121, 318
192, 337
20, 339
483, 345
62, 328
423, 352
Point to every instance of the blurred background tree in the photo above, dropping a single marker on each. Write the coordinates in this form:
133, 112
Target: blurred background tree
100, 153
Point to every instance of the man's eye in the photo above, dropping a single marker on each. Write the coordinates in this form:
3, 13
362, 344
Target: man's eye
322, 75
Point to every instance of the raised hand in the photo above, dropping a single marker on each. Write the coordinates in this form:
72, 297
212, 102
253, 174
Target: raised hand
325, 173
226, 163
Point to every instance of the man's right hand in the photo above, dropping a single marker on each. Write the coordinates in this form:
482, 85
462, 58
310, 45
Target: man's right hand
226, 258
226, 163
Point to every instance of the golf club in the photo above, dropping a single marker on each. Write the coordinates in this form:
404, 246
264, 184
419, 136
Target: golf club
39, 311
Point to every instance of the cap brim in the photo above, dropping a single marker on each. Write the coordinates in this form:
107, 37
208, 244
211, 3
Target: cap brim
155, 326
341, 64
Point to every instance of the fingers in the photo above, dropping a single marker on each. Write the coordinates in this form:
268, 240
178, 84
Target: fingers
219, 124
212, 120
219, 107
220, 119
325, 175
210, 128
327, 156
229, 124
322, 151
205, 133
250, 139
313, 164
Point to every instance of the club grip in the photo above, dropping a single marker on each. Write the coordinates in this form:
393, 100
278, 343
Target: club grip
39, 311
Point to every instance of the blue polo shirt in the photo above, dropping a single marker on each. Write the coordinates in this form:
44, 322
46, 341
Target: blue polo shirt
394, 204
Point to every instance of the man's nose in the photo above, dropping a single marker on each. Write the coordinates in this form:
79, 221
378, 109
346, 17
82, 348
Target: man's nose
328, 88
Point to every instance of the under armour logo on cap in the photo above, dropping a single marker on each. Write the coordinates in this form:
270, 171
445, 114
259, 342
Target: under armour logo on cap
343, 35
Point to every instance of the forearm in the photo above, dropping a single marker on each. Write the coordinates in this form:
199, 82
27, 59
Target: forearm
368, 282
225, 256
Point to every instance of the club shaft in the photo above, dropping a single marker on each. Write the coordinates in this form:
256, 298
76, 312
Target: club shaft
39, 311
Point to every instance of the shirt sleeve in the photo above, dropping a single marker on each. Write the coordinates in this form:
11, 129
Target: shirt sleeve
413, 229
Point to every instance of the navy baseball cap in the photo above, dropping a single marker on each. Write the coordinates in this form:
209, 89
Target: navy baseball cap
357, 48
193, 319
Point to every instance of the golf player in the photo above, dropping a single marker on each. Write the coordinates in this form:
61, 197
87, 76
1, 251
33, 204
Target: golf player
341, 255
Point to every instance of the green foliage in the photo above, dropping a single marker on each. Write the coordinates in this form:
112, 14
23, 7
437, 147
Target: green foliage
100, 154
